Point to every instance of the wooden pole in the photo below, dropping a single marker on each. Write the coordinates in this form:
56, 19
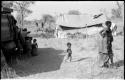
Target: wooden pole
22, 19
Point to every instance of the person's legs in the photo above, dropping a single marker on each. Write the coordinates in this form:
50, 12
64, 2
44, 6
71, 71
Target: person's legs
70, 58
110, 52
111, 59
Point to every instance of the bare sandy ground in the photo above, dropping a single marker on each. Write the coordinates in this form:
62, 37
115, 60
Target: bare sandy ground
50, 64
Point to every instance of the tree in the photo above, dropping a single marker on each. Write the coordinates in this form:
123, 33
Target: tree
7, 4
74, 12
22, 8
47, 19
118, 13
104, 11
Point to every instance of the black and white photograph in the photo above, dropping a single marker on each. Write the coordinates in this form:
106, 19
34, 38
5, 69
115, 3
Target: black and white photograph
62, 40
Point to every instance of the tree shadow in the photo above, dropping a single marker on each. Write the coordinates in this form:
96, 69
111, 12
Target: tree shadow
119, 63
48, 59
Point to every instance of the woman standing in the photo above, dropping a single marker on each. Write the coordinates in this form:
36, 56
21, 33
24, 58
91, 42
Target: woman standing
105, 46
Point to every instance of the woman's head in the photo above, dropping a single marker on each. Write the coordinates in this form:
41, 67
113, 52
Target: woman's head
108, 24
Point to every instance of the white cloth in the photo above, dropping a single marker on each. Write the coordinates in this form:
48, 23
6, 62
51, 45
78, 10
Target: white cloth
113, 28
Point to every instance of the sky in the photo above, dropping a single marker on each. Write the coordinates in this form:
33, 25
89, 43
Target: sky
57, 7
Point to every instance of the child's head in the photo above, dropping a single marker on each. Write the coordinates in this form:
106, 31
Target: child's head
68, 44
34, 40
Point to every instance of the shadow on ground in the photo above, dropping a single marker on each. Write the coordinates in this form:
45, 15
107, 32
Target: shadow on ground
119, 63
81, 59
48, 60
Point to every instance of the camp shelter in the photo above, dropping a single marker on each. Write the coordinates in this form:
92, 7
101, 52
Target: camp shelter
78, 23
67, 22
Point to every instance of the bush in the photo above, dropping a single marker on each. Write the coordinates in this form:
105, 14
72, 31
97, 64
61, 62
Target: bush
120, 33
76, 35
49, 31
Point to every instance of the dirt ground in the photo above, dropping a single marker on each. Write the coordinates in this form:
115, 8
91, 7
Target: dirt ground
50, 64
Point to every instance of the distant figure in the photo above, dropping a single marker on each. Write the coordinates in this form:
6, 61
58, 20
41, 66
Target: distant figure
34, 47
42, 25
105, 47
36, 24
69, 51
56, 33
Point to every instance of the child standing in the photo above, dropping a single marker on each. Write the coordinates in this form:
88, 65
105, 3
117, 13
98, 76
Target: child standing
34, 47
69, 51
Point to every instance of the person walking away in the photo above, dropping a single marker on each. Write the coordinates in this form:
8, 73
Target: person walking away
34, 47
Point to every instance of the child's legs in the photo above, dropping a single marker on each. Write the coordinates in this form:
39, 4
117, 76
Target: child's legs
67, 57
70, 58
110, 52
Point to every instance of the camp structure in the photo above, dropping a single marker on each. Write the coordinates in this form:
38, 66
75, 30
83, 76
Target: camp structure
78, 23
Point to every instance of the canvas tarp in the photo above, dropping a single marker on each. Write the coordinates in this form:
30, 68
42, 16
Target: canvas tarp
79, 20
77, 23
